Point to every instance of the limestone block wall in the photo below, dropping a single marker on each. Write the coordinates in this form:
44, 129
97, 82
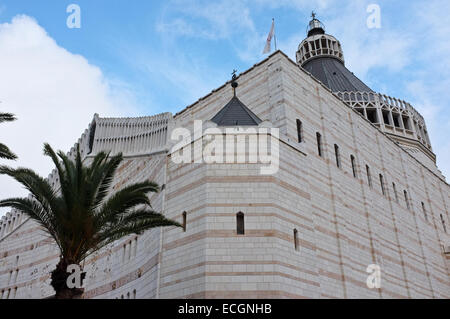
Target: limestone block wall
127, 269
28, 255
343, 222
367, 225
131, 135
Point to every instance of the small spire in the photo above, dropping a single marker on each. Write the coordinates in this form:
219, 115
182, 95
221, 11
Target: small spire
315, 26
234, 84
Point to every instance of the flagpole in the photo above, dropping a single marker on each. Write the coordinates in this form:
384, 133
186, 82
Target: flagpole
274, 34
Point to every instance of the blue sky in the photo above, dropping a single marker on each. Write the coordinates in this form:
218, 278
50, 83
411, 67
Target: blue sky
143, 57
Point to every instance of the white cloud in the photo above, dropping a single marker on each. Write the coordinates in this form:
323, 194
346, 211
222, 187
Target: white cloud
214, 19
53, 93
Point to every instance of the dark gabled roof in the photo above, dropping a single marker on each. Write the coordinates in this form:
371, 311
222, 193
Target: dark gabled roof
335, 75
235, 113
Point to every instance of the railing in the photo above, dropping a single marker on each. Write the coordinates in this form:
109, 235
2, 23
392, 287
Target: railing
381, 99
410, 124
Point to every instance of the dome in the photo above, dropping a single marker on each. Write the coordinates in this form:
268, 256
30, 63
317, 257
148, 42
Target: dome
321, 55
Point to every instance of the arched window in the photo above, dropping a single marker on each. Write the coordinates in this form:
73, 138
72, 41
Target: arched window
443, 224
352, 159
338, 156
424, 211
405, 193
184, 221
395, 192
299, 131
319, 143
383, 191
240, 223
369, 177
296, 239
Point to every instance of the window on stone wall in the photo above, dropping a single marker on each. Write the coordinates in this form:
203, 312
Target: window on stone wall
383, 191
372, 115
184, 220
396, 118
134, 294
443, 224
386, 118
424, 211
352, 159
296, 239
319, 144
240, 223
337, 155
395, 192
299, 131
133, 247
369, 177
406, 123
405, 193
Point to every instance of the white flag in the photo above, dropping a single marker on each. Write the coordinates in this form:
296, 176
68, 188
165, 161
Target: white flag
269, 38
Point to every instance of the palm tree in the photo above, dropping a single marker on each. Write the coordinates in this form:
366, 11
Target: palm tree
83, 215
4, 150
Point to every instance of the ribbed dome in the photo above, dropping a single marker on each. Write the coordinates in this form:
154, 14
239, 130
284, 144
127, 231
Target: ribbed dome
321, 54
335, 75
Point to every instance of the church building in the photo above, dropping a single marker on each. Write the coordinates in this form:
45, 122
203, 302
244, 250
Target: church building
332, 183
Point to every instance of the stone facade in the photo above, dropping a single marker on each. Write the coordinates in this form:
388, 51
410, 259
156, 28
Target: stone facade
341, 223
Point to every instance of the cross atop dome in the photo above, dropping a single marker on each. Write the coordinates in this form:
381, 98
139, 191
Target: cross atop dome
235, 113
315, 26
321, 55
234, 84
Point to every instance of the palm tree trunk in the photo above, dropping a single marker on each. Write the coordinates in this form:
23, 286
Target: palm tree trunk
59, 278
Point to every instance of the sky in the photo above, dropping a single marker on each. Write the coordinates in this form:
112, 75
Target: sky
136, 58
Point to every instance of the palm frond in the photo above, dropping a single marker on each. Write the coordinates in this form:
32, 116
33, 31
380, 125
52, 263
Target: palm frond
6, 153
36, 185
85, 214
36, 212
122, 201
7, 117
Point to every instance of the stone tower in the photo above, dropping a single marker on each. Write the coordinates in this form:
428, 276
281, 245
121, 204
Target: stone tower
321, 54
